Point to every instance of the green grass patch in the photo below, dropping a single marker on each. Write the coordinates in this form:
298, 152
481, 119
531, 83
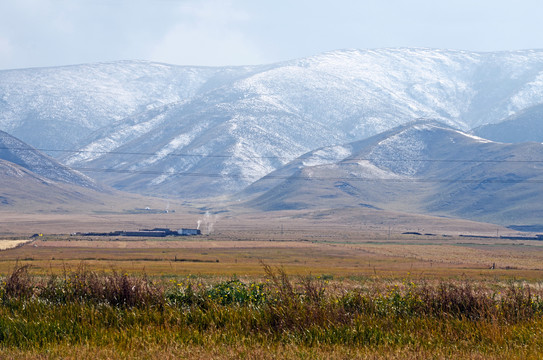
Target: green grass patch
124, 315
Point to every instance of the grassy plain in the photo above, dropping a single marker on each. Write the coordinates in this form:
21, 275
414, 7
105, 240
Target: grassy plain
81, 313
396, 281
215, 255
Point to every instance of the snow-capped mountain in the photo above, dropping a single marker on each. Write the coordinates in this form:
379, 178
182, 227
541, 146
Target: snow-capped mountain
189, 131
19, 154
424, 167
55, 108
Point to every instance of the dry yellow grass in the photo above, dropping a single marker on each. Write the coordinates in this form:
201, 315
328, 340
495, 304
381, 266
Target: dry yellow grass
510, 256
221, 256
10, 244
257, 352
333, 242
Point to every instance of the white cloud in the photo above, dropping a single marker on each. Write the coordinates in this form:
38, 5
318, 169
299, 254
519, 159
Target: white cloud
207, 33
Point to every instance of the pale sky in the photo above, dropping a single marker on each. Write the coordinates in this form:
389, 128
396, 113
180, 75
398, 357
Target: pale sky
243, 32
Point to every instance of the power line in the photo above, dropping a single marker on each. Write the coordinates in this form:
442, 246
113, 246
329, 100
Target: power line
273, 157
302, 178
395, 179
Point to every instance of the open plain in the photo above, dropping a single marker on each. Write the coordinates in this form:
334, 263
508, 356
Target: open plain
338, 243
325, 284
308, 284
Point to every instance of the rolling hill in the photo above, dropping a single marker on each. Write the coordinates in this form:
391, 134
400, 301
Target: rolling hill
17, 152
22, 190
423, 167
525, 126
33, 182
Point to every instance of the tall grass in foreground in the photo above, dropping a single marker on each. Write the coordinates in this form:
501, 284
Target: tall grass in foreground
122, 314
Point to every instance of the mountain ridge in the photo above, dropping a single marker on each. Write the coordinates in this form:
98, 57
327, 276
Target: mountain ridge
133, 121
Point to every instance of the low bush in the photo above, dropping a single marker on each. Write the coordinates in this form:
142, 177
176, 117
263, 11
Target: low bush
118, 309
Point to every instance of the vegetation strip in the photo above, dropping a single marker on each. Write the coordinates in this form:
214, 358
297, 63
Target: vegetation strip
121, 312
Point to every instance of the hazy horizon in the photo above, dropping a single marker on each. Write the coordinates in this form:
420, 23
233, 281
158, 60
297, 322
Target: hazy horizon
38, 33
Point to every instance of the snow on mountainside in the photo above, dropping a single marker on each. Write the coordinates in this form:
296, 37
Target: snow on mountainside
18, 153
424, 167
55, 108
194, 132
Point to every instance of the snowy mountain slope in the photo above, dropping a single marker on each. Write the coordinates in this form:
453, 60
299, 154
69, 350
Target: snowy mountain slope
247, 127
505, 83
55, 108
196, 132
19, 153
424, 167
208, 142
525, 126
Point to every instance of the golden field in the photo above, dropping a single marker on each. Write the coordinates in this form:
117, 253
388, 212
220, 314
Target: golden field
302, 243
342, 285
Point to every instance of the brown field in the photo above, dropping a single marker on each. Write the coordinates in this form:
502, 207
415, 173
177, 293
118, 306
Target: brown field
334, 243
346, 252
